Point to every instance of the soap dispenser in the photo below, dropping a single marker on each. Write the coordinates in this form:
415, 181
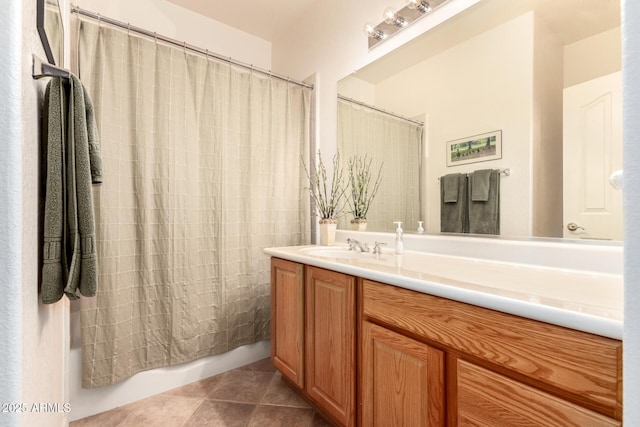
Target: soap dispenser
399, 243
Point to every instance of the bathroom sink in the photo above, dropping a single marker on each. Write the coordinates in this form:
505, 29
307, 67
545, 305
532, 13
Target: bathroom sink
333, 252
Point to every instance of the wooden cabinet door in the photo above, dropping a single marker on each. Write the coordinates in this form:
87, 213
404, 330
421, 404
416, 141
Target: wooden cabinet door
330, 342
402, 382
287, 319
488, 399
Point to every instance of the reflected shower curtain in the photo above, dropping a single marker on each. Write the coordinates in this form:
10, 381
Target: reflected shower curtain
202, 171
395, 142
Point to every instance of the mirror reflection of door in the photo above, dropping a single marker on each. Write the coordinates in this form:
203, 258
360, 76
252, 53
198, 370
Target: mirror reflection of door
592, 152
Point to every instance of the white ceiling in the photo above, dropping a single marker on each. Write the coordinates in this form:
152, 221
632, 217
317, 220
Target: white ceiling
262, 18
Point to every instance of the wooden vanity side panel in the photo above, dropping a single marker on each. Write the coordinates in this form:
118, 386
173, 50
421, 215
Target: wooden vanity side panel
488, 399
287, 319
578, 366
330, 342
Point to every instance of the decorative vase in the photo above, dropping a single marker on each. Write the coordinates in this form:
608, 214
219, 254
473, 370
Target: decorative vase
328, 231
359, 224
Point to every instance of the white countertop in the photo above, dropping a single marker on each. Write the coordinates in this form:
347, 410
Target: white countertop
582, 300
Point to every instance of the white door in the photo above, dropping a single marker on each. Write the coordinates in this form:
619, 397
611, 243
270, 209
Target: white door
592, 151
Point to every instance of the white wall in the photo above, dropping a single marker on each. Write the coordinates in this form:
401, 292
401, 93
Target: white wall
546, 167
11, 207
631, 192
593, 57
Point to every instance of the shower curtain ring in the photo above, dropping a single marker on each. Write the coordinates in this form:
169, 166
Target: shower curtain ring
128, 28
99, 20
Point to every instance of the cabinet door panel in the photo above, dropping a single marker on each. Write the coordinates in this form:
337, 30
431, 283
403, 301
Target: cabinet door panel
287, 319
402, 380
330, 342
488, 399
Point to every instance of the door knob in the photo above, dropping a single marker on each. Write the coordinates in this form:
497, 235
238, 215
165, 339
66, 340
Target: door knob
572, 226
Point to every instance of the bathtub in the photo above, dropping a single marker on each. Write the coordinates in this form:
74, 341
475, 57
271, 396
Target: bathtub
86, 402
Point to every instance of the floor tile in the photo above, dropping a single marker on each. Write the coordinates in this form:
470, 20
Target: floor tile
281, 416
162, 410
110, 418
200, 388
223, 414
281, 393
242, 386
318, 421
263, 365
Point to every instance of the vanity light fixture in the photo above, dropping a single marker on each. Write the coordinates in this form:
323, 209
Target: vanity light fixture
395, 21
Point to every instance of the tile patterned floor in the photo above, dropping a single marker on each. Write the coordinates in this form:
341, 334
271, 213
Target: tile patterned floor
251, 396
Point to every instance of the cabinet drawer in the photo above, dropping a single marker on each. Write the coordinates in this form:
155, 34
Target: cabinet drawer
580, 367
489, 399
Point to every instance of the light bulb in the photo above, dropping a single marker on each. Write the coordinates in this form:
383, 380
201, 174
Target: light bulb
392, 18
369, 30
421, 5
389, 16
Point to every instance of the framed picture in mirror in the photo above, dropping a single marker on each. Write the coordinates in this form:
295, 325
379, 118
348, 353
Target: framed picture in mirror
476, 148
51, 30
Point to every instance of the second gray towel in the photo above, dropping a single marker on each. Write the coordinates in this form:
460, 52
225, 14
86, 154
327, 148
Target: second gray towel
484, 202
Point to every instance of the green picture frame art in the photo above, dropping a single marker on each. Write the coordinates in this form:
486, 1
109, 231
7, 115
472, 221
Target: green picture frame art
476, 148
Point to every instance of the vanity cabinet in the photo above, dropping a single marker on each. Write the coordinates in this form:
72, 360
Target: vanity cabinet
499, 369
422, 360
313, 335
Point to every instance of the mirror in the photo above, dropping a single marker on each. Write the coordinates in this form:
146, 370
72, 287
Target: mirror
51, 30
501, 66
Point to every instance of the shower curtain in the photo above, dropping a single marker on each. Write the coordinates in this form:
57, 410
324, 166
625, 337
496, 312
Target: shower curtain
396, 143
201, 172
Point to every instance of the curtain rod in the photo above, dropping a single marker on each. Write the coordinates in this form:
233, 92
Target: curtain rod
185, 45
380, 110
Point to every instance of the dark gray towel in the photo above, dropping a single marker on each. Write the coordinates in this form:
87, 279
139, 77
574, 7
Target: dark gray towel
72, 163
484, 216
480, 185
453, 215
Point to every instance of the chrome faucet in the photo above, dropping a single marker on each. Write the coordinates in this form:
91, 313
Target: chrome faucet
377, 249
353, 244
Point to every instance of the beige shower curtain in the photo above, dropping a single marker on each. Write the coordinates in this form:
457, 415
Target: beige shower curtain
201, 172
395, 142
